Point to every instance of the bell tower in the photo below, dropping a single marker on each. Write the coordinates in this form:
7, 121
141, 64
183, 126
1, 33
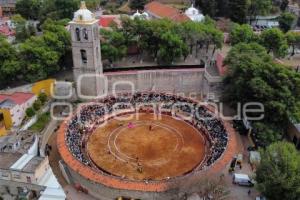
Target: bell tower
87, 64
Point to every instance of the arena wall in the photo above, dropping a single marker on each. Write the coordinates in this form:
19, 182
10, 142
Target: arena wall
172, 80
106, 193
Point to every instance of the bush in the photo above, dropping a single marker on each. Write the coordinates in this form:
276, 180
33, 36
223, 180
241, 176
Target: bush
41, 123
37, 105
30, 112
42, 97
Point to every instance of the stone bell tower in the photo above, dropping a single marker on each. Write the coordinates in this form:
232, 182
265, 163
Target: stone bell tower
87, 64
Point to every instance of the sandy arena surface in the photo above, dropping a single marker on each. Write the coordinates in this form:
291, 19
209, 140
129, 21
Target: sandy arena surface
146, 148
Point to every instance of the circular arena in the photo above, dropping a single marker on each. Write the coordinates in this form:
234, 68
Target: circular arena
143, 145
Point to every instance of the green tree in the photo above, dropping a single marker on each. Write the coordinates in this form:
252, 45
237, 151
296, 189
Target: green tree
258, 7
266, 133
286, 20
30, 112
238, 10
42, 98
58, 9
23, 29
284, 4
254, 77
208, 7
137, 4
37, 105
171, 48
293, 40
38, 59
113, 46
278, 175
10, 66
274, 41
29, 9
241, 33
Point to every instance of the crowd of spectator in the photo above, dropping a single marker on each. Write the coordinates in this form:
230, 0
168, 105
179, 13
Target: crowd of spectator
91, 115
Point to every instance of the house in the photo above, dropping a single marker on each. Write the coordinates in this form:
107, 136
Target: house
13, 107
8, 7
105, 21
157, 10
25, 174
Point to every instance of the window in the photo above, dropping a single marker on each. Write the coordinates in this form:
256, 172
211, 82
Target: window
28, 178
83, 56
77, 31
5, 174
85, 34
16, 176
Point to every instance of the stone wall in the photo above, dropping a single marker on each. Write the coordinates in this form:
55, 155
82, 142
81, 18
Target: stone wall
172, 80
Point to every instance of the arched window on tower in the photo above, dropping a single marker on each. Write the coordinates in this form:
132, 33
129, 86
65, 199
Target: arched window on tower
85, 34
77, 31
83, 56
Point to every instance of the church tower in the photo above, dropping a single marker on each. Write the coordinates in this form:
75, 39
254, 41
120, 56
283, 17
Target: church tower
87, 64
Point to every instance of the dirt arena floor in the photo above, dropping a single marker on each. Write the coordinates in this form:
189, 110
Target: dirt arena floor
146, 148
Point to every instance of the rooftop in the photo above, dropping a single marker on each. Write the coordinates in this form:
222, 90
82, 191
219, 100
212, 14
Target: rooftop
17, 97
164, 11
32, 164
8, 159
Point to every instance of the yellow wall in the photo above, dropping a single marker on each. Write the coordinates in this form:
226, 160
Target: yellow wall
7, 118
2, 131
45, 86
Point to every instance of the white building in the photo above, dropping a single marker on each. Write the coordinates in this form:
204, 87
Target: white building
194, 14
16, 104
139, 15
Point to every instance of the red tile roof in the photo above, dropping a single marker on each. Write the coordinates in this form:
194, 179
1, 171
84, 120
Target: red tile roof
164, 11
106, 21
17, 97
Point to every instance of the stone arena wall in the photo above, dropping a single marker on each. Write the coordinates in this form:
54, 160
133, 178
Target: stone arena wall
171, 80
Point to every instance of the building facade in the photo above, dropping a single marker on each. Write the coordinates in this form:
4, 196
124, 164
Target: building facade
87, 64
13, 107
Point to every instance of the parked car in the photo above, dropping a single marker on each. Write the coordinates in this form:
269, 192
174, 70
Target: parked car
242, 180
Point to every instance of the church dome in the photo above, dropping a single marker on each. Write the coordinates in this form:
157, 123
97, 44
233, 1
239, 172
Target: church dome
194, 14
83, 14
139, 15
192, 11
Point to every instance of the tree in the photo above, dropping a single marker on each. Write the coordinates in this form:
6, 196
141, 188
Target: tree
241, 33
42, 97
274, 41
284, 4
137, 4
238, 10
29, 9
258, 7
278, 175
254, 77
293, 40
113, 46
30, 112
10, 66
208, 7
171, 47
37, 105
58, 9
286, 20
24, 29
38, 59
266, 133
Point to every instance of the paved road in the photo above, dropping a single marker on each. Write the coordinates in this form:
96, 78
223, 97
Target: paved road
47, 133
